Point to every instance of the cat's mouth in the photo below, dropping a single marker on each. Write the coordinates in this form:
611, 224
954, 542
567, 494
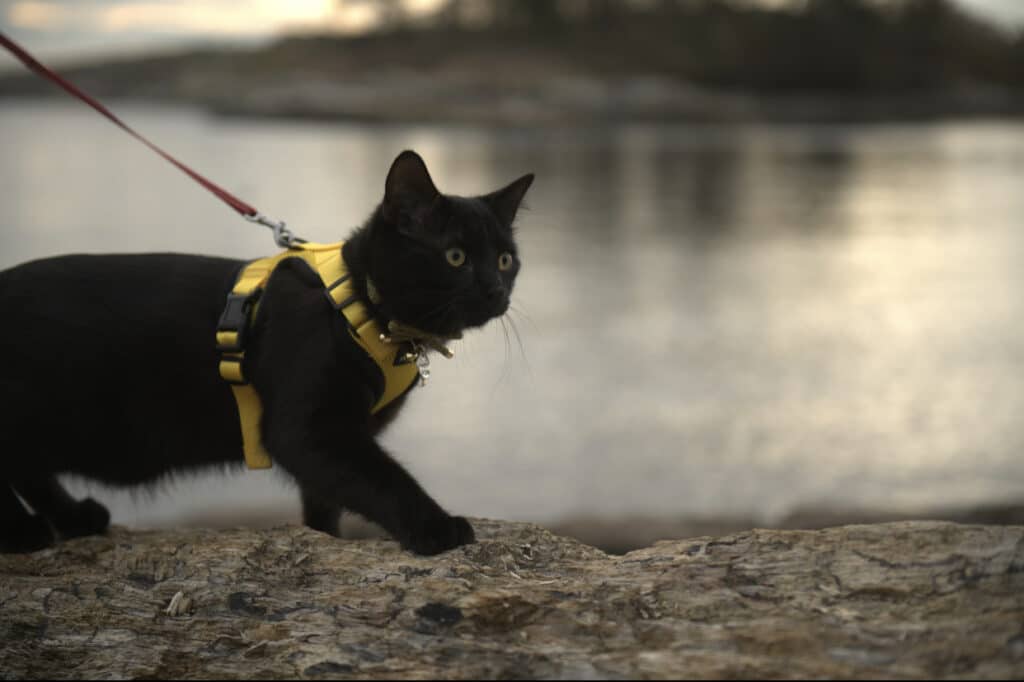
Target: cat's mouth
453, 325
447, 321
447, 326
444, 329
456, 321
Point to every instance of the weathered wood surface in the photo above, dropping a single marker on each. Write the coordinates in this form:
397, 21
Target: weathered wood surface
912, 599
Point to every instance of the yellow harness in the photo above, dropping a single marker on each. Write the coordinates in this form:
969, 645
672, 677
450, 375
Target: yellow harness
398, 367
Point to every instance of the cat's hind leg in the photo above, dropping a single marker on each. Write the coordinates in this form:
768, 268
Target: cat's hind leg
20, 531
72, 518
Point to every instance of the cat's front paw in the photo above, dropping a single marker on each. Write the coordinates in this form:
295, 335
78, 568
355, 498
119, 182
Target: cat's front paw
440, 534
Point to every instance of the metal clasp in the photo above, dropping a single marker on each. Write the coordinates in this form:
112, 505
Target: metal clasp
417, 355
422, 362
283, 237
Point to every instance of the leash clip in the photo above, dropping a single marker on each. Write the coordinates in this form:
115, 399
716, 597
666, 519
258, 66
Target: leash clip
283, 237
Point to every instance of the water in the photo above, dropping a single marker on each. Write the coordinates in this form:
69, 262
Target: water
713, 320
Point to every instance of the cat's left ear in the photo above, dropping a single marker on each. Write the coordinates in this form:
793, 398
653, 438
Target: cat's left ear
505, 202
408, 186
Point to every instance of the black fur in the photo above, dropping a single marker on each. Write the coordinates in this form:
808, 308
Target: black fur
109, 369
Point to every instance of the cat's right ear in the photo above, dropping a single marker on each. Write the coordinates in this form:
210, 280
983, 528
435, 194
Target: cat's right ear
505, 202
408, 188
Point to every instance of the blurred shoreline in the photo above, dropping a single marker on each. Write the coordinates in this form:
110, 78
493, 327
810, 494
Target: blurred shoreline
463, 99
625, 534
832, 62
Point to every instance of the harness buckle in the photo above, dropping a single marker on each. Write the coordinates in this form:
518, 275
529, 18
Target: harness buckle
235, 318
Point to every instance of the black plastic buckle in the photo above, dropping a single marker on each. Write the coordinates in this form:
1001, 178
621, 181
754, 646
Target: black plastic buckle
235, 318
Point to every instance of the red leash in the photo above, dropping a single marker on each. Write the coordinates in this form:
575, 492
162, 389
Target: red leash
281, 235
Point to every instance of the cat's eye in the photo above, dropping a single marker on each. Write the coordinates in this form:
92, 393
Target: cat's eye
505, 261
455, 256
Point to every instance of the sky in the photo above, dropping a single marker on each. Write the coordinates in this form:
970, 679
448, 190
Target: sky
73, 29
64, 30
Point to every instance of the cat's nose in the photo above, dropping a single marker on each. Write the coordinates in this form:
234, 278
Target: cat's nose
495, 294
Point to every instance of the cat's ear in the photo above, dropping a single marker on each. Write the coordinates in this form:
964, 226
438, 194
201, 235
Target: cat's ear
409, 187
505, 202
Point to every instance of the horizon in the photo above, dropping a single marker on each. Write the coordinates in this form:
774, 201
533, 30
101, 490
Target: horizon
94, 30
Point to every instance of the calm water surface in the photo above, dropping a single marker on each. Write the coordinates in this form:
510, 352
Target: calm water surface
712, 319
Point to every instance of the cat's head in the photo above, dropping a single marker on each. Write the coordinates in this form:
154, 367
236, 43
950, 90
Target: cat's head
438, 262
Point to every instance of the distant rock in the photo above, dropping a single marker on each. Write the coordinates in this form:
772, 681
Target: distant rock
621, 534
915, 599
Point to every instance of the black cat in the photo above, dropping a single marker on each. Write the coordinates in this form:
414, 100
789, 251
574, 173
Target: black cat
109, 368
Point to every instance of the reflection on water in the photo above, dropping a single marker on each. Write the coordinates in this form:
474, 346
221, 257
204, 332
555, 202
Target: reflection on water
713, 319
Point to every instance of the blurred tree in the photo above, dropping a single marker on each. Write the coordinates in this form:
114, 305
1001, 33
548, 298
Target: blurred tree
812, 45
945, 45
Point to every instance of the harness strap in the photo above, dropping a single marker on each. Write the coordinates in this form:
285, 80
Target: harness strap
396, 360
238, 313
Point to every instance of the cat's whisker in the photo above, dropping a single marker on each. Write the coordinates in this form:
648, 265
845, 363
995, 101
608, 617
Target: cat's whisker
524, 316
506, 370
505, 365
519, 340
508, 343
